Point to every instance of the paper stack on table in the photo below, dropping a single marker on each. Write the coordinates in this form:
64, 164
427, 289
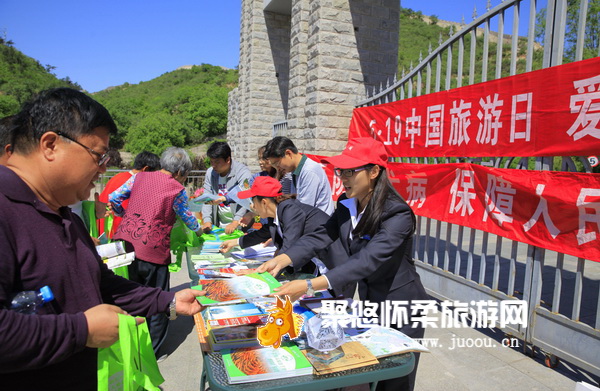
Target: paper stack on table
255, 252
252, 364
384, 342
233, 326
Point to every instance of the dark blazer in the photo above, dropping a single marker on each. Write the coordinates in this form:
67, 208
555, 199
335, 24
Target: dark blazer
382, 265
295, 220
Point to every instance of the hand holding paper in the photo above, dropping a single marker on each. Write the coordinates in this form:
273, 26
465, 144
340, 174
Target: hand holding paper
186, 303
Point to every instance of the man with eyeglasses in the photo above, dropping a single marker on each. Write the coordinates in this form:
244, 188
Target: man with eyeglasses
309, 180
60, 145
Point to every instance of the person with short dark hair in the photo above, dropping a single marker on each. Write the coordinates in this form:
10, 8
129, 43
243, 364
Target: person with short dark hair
375, 226
287, 219
60, 144
6, 125
309, 180
223, 177
144, 162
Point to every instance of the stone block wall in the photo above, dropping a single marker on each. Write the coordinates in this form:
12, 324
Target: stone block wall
310, 68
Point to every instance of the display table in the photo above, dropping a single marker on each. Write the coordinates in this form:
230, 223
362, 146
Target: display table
214, 373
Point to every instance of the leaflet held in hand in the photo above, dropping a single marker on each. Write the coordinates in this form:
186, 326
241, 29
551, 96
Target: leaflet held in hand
236, 289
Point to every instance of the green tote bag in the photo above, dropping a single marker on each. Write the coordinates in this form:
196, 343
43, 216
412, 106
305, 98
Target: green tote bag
129, 364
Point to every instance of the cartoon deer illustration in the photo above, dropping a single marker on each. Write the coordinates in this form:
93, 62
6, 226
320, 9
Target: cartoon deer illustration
281, 321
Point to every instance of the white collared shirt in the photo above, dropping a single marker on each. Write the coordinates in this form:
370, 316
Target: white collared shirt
351, 204
276, 222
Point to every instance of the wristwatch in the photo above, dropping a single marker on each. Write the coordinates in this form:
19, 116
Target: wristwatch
172, 312
310, 291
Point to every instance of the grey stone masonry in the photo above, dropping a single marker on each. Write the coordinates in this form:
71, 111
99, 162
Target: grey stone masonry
303, 65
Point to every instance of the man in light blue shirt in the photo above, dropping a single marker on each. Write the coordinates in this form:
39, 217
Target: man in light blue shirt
309, 180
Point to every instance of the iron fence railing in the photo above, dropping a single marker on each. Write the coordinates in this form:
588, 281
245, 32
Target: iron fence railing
460, 263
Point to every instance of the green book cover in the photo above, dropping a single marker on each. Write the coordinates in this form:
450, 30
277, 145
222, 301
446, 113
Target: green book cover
245, 365
236, 289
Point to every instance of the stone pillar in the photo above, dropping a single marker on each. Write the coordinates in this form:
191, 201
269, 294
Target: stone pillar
298, 68
309, 68
262, 92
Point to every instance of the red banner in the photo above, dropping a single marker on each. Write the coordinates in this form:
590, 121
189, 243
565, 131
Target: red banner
550, 112
559, 211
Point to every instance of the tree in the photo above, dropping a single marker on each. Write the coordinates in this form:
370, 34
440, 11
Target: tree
8, 105
592, 29
155, 133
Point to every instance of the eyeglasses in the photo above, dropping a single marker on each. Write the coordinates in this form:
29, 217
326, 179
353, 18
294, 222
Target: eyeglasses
347, 172
103, 158
274, 163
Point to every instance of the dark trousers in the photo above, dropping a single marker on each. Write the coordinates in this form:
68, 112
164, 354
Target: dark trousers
157, 276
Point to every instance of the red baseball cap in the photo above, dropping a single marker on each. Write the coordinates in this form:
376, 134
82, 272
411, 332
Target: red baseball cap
263, 186
359, 152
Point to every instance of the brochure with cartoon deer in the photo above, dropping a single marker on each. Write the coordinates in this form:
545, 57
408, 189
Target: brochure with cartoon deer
236, 289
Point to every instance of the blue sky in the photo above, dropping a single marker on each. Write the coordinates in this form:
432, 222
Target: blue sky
105, 43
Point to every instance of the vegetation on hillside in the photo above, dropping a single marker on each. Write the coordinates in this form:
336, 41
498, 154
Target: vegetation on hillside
591, 41
22, 76
179, 108
418, 37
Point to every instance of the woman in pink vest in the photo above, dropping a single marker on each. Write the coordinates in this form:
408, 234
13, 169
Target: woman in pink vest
155, 200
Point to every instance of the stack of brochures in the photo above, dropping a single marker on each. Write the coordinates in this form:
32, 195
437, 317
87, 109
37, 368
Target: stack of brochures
245, 365
233, 326
211, 247
225, 272
211, 261
258, 252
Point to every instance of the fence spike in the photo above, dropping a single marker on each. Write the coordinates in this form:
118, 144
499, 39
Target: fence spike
411, 66
474, 12
462, 21
429, 47
440, 39
451, 30
488, 5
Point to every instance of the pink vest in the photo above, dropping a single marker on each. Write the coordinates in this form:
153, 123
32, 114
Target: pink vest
149, 217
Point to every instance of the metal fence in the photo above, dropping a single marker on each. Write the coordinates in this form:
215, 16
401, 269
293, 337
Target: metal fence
195, 180
464, 264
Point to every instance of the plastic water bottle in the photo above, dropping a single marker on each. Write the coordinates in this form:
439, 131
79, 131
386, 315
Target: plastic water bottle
28, 302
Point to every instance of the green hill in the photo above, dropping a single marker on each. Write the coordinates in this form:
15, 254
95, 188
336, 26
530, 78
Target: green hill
179, 108
22, 76
419, 33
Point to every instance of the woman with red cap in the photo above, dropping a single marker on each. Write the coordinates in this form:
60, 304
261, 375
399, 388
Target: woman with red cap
288, 218
375, 227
